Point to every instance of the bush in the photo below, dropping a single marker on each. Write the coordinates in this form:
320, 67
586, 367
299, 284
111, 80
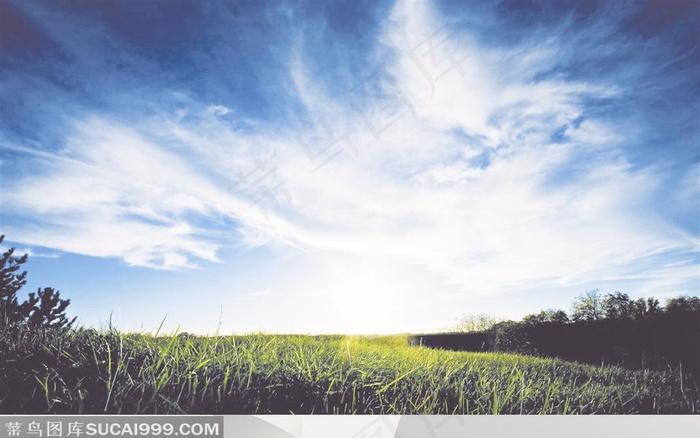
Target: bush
43, 309
511, 337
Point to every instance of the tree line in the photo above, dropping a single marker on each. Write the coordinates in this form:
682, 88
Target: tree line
600, 329
594, 306
611, 329
589, 306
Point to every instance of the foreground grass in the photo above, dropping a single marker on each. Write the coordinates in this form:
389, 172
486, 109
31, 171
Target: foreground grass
91, 372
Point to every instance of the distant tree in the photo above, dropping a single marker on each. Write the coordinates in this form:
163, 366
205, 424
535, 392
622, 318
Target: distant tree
544, 316
639, 309
653, 306
618, 306
534, 318
45, 308
558, 316
588, 307
645, 308
683, 303
474, 322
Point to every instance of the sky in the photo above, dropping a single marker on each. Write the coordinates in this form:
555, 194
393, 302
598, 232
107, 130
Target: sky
349, 166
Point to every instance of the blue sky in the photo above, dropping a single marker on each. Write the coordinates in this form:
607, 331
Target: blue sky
349, 166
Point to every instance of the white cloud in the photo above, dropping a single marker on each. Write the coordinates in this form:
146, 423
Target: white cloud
218, 110
256, 294
416, 196
111, 193
39, 254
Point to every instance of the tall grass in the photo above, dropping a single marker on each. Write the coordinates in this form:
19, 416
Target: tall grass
86, 371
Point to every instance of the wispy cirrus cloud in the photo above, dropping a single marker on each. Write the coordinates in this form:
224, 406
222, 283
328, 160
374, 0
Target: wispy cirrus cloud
488, 165
495, 200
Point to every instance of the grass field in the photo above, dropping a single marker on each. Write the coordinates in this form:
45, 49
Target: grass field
109, 372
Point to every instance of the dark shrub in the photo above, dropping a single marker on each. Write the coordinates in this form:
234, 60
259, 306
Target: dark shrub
511, 337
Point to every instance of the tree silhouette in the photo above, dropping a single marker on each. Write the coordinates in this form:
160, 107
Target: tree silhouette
43, 309
618, 306
11, 281
653, 307
683, 303
544, 316
645, 309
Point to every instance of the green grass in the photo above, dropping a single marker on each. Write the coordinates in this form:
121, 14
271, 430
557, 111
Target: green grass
108, 372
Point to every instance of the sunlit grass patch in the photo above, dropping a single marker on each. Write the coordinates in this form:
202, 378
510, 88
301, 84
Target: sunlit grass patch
110, 372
